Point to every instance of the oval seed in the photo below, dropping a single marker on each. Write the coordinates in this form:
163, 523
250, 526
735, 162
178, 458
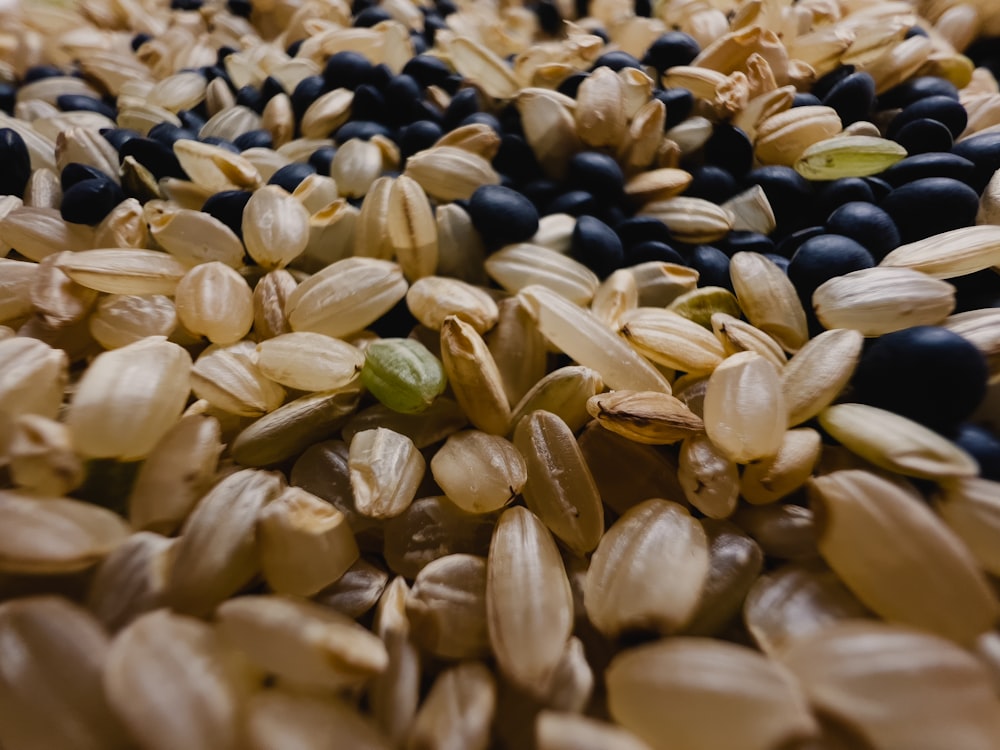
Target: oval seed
479, 472
386, 469
214, 301
309, 361
403, 374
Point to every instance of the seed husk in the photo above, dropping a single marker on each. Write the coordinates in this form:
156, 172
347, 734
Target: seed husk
516, 267
645, 416
673, 691
386, 470
194, 236
124, 271
524, 566
479, 472
617, 295
448, 173
433, 298
933, 582
309, 361
474, 376
950, 254
229, 379
563, 392
214, 301
120, 320
819, 372
275, 227
559, 489
357, 591
772, 479
52, 654
691, 220
672, 340
293, 719
896, 443
711, 482
769, 300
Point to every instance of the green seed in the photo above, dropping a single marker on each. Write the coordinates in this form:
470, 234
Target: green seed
699, 305
403, 375
848, 156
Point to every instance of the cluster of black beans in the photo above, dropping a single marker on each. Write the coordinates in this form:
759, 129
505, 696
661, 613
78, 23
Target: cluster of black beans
824, 229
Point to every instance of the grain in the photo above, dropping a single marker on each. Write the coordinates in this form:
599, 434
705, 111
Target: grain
403, 375
769, 300
275, 227
433, 298
474, 376
818, 372
32, 377
386, 470
213, 300
309, 361
124, 271
446, 608
565, 393
458, 711
518, 266
479, 472
286, 718
772, 479
41, 458
711, 482
971, 508
645, 416
229, 379
672, 340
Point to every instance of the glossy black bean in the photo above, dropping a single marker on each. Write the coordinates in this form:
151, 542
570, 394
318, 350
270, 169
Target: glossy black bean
712, 266
242, 8
867, 224
976, 291
880, 188
671, 49
191, 120
549, 18
138, 40
853, 97
541, 191
346, 70
787, 247
825, 83
432, 25
924, 136
222, 53
574, 203
616, 60
780, 261
270, 88
290, 175
79, 102
39, 72
945, 110
118, 137
510, 121
729, 148
822, 258
931, 206
805, 99
711, 183
502, 215
462, 104
983, 150
89, 201
227, 207
402, 97
371, 16
251, 98
836, 193
571, 84
363, 129
985, 53
418, 136
322, 158
154, 156
16, 163
643, 8
214, 140
637, 229
168, 134
452, 84
914, 31
596, 173
740, 241
380, 76
926, 373
212, 72
305, 93
651, 250
483, 118
75, 172
596, 245
185, 4
254, 139
982, 445
678, 102
8, 97
445, 7
427, 70
369, 104
915, 89
790, 195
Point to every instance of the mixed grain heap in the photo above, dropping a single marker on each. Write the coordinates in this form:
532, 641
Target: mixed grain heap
465, 374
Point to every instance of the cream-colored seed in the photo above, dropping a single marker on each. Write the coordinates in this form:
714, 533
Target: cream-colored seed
645, 416
446, 607
711, 481
120, 320
433, 298
516, 267
32, 377
41, 458
214, 301
774, 478
124, 271
275, 227
971, 508
819, 371
458, 711
411, 228
386, 469
292, 719
474, 377
229, 379
564, 392
672, 340
309, 361
769, 300
479, 472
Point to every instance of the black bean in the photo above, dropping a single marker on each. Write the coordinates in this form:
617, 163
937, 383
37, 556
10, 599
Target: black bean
789, 193
39, 72
432, 25
158, 158
118, 137
787, 247
168, 134
380, 76
418, 136
251, 98
191, 120
346, 70
270, 88
242, 8
975, 291
322, 158
16, 163
597, 173
712, 266
549, 18
227, 207
483, 118
510, 121
571, 84
574, 203
290, 175
426, 70
868, 224
363, 129
838, 192
712, 183
369, 104
743, 241
89, 201
185, 4
805, 99
371, 16
729, 148
780, 261
926, 373
915, 89
214, 140
924, 136
502, 215
679, 102
305, 93
671, 49
931, 206
825, 83
254, 139
651, 250
822, 258
596, 245
914, 31
983, 446
637, 229
880, 188
138, 40
75, 172
616, 60
540, 191
462, 104
944, 109
79, 102
983, 150
853, 97
985, 53
402, 97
